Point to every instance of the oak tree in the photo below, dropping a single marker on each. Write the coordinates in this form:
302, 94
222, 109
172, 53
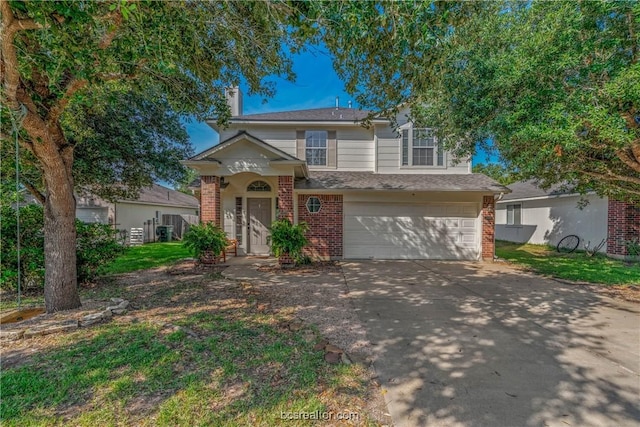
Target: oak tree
95, 89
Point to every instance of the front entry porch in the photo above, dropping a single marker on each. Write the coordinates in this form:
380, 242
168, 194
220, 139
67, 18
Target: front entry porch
248, 203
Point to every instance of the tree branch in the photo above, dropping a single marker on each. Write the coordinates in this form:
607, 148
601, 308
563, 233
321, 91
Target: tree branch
34, 191
610, 176
56, 111
110, 35
24, 24
627, 157
9, 58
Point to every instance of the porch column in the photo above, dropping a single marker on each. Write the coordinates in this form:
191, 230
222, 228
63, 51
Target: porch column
623, 224
285, 197
210, 199
488, 228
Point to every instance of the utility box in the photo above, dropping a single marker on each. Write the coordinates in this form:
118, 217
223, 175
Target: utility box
164, 232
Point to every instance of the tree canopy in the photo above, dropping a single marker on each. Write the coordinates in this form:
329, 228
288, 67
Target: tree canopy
554, 85
97, 90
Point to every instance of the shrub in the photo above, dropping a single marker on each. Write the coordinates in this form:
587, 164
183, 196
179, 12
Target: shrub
31, 247
204, 238
287, 238
96, 246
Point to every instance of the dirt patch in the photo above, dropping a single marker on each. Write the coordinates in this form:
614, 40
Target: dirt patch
313, 268
626, 293
194, 267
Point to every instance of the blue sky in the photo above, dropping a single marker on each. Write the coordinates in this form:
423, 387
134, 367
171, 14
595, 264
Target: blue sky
316, 86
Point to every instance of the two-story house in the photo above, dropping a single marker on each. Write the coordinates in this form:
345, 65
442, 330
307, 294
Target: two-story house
378, 192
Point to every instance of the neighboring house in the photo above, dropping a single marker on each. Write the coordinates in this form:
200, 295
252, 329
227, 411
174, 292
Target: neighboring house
376, 192
148, 208
530, 214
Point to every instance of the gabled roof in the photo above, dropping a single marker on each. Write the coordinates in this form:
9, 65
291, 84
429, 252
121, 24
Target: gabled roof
240, 136
530, 189
160, 195
331, 114
403, 182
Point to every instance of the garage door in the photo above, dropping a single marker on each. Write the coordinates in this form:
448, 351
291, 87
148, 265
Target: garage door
411, 231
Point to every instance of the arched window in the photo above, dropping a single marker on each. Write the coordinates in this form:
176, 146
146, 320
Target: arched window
259, 186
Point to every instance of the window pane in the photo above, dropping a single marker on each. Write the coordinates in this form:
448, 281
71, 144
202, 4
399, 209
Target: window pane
316, 156
423, 156
423, 138
440, 156
517, 214
509, 214
405, 147
316, 139
419, 156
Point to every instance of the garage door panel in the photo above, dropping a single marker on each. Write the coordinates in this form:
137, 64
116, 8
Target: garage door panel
411, 231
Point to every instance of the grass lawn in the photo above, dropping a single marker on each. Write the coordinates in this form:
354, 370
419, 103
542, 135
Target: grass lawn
146, 256
193, 351
576, 266
135, 258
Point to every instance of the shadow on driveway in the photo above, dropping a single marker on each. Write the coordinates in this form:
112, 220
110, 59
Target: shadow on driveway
471, 344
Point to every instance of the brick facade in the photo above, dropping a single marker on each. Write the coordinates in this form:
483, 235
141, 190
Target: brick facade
325, 226
488, 227
285, 197
623, 224
210, 199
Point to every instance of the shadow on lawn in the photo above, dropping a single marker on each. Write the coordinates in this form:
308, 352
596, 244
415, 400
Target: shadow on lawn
241, 364
475, 345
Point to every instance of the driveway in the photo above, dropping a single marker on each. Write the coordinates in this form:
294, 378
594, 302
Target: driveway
472, 344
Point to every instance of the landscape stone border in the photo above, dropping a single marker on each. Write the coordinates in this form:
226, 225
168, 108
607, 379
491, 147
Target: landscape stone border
119, 307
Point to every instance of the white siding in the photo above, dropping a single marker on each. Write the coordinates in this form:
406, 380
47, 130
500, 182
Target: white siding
93, 214
546, 221
389, 156
133, 215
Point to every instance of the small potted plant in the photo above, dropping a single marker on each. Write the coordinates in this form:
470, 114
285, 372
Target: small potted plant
287, 241
207, 242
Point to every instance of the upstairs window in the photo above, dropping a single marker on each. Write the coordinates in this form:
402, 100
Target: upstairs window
420, 148
316, 147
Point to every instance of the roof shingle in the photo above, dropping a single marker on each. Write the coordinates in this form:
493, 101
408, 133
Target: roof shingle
406, 182
312, 115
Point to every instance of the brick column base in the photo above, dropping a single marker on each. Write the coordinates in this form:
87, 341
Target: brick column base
285, 197
488, 228
623, 224
210, 200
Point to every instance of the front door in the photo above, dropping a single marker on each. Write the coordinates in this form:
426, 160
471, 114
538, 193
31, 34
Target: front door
259, 213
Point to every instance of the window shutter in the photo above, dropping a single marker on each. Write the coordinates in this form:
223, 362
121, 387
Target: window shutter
300, 145
405, 147
332, 150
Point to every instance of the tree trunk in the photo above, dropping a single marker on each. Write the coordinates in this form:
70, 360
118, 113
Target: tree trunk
61, 284
60, 276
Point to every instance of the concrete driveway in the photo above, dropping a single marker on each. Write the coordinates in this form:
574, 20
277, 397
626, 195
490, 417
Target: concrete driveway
471, 344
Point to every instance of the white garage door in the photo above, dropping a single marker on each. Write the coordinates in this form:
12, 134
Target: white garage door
411, 231
94, 214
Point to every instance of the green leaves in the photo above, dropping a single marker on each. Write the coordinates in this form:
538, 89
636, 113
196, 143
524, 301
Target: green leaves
206, 237
553, 85
287, 238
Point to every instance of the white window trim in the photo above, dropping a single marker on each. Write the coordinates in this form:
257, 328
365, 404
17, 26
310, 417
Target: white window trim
512, 223
325, 148
306, 204
409, 128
